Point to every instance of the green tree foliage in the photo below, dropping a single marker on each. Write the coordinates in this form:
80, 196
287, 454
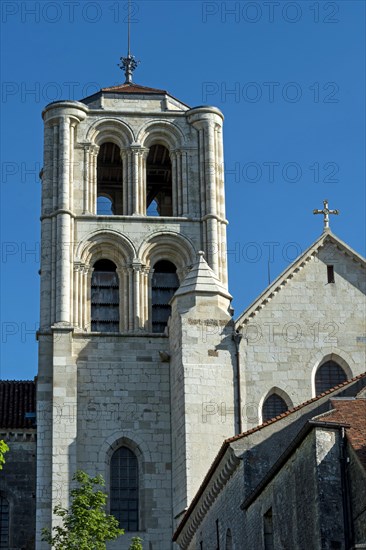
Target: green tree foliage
3, 449
85, 526
136, 544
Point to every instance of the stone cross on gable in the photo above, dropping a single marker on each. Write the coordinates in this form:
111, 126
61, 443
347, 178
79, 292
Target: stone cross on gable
326, 213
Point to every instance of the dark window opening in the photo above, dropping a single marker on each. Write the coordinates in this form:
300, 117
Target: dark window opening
273, 406
104, 297
217, 535
268, 530
229, 540
125, 489
330, 374
330, 273
109, 180
159, 182
4, 523
164, 284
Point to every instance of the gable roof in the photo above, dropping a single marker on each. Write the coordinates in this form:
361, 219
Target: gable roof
348, 413
278, 284
17, 397
227, 443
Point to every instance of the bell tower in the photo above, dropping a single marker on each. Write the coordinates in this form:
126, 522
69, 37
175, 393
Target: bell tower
132, 190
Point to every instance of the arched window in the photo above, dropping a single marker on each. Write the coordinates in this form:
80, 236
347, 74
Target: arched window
164, 284
328, 375
273, 406
268, 530
4, 522
104, 297
229, 540
109, 180
159, 182
125, 489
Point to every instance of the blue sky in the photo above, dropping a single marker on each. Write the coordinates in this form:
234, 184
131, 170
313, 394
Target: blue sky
288, 76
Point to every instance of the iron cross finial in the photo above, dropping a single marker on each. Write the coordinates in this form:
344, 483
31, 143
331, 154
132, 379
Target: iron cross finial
326, 213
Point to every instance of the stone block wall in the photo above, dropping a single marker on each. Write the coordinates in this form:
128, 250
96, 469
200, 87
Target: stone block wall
306, 321
18, 486
124, 399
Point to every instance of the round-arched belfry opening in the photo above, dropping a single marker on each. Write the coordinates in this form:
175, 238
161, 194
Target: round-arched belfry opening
109, 180
159, 194
104, 297
164, 284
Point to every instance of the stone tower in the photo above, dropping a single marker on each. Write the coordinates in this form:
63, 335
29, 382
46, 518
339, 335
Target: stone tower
135, 348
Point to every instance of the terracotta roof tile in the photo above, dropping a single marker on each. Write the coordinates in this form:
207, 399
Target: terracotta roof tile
352, 412
294, 409
133, 89
17, 397
227, 442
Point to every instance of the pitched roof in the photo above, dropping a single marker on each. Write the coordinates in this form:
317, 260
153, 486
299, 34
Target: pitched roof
278, 284
132, 88
352, 412
226, 444
17, 397
202, 280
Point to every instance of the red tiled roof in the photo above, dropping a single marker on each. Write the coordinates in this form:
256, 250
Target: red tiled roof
294, 409
17, 397
352, 412
133, 89
227, 442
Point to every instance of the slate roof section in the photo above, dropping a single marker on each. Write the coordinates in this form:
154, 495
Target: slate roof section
278, 284
17, 397
202, 280
351, 412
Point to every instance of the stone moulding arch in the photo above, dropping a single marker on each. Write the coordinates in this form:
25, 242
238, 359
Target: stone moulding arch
132, 441
110, 129
106, 244
163, 132
277, 391
170, 246
332, 354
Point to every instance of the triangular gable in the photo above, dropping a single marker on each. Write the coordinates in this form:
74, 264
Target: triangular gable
291, 271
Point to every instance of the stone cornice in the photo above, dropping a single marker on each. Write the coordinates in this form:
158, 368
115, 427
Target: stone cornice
215, 217
18, 436
195, 515
56, 213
